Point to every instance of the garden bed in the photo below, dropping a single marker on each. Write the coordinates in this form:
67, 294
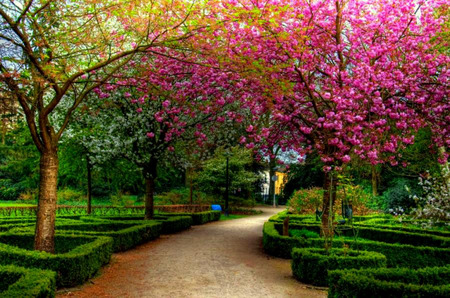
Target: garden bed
77, 258
398, 255
22, 282
390, 282
311, 265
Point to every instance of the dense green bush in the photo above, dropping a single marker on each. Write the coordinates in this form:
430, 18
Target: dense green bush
311, 265
390, 282
398, 255
199, 218
170, 224
77, 258
398, 227
277, 245
382, 235
24, 282
125, 235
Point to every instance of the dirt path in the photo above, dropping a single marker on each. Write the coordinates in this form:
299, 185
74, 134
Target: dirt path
221, 259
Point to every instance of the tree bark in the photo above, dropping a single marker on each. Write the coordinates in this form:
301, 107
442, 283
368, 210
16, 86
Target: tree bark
374, 181
46, 211
89, 185
327, 230
271, 182
150, 176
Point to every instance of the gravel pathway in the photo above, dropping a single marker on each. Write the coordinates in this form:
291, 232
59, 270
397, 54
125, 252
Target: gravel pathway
220, 259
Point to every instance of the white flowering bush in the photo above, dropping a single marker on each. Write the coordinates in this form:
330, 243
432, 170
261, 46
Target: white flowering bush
434, 203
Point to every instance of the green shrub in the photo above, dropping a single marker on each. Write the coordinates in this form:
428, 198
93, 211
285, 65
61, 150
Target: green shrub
390, 282
77, 258
277, 245
126, 235
303, 233
170, 224
22, 282
70, 195
199, 218
398, 255
311, 265
398, 227
382, 235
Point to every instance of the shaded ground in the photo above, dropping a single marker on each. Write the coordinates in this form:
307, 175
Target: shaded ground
221, 259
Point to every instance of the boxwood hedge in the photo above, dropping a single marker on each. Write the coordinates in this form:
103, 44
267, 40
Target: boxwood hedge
384, 235
77, 258
170, 224
311, 265
25, 282
398, 255
390, 282
199, 218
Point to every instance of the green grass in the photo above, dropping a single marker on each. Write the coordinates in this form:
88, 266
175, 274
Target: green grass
16, 204
231, 216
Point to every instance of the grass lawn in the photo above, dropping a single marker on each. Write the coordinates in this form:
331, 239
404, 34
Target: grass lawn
232, 216
15, 204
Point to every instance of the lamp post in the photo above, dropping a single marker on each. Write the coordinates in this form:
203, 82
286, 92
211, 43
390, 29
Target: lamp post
274, 179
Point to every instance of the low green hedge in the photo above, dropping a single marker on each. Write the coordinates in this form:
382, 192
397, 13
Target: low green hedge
199, 218
277, 245
21, 282
398, 255
399, 227
390, 282
77, 258
382, 235
170, 224
126, 234
311, 265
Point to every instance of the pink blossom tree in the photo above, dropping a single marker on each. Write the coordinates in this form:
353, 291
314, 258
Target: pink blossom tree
348, 79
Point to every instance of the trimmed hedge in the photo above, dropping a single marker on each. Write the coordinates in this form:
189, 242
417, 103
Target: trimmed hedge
383, 235
311, 265
398, 255
125, 235
277, 245
77, 258
21, 282
390, 282
170, 224
198, 218
398, 227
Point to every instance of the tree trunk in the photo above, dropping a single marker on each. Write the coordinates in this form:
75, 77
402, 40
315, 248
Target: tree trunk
44, 238
286, 226
150, 176
271, 182
374, 181
149, 189
4, 130
327, 230
89, 185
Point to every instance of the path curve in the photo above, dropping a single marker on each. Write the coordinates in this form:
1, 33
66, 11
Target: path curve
220, 259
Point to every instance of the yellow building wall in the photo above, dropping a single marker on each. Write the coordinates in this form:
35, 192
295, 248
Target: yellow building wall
279, 184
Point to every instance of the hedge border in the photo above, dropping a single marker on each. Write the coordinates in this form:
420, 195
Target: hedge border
31, 282
398, 255
311, 265
390, 282
198, 218
73, 267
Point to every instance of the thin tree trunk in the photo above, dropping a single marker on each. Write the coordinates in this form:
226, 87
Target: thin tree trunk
149, 202
374, 181
150, 176
271, 182
327, 230
4, 130
46, 212
89, 185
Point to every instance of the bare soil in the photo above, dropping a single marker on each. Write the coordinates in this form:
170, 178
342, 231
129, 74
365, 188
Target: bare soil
220, 259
